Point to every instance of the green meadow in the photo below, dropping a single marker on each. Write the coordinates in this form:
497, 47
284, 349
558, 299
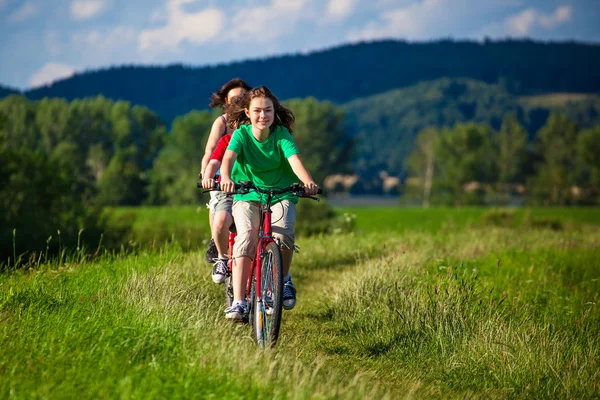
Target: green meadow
412, 303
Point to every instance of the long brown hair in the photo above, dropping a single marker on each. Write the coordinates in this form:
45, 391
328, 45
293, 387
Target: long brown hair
220, 96
236, 111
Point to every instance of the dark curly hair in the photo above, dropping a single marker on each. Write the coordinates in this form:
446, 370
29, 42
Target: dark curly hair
236, 110
219, 97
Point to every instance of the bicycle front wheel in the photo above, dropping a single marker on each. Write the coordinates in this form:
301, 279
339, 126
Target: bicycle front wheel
266, 316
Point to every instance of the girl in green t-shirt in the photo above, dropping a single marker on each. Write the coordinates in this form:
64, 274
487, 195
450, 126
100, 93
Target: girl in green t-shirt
266, 155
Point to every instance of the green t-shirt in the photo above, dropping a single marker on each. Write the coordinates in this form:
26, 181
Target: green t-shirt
264, 163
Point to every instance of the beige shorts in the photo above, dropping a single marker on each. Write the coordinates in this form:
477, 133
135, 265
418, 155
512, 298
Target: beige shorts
246, 215
220, 201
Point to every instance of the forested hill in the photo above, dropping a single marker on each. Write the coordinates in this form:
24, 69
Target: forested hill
5, 91
385, 125
347, 72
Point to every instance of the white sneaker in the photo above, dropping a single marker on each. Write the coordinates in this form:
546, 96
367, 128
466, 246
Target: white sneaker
236, 312
220, 270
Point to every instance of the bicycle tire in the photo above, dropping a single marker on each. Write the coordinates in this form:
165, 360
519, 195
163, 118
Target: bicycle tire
265, 326
228, 291
230, 262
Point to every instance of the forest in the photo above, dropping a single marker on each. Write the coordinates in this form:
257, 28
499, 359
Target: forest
384, 126
484, 129
63, 163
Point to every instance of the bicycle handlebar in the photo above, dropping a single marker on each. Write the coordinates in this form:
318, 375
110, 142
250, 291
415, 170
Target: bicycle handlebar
244, 186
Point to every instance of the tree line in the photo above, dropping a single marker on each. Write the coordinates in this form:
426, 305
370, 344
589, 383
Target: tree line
471, 164
65, 163
385, 126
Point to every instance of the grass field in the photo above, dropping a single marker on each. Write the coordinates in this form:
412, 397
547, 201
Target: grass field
440, 303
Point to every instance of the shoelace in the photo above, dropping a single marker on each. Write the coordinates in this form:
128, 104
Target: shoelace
237, 308
288, 290
221, 268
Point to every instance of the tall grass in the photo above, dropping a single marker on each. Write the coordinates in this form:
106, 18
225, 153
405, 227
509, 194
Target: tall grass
142, 326
479, 314
462, 310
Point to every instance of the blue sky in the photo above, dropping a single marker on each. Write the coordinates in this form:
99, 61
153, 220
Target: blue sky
43, 40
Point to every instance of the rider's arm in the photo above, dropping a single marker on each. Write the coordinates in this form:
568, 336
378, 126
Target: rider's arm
226, 184
303, 174
215, 132
209, 173
212, 168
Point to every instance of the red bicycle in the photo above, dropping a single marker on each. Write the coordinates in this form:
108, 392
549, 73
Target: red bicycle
264, 289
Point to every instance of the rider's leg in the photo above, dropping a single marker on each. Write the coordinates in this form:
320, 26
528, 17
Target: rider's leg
246, 217
241, 270
287, 256
211, 209
222, 220
284, 218
221, 223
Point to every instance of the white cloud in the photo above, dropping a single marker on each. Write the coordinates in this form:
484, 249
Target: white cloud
116, 37
339, 9
86, 9
49, 73
197, 28
561, 14
423, 19
253, 23
267, 23
22, 14
412, 21
102, 46
522, 23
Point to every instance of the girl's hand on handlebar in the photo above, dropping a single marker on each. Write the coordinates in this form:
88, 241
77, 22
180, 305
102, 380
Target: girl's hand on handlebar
310, 188
227, 185
208, 183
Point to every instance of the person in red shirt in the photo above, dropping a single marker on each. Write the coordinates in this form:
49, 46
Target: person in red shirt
220, 206
221, 98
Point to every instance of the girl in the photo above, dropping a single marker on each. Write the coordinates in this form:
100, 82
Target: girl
222, 97
222, 204
266, 154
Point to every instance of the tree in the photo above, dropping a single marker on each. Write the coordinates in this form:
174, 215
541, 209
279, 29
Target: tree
421, 162
39, 200
555, 173
122, 181
62, 161
464, 156
175, 170
319, 135
509, 154
588, 157
509, 146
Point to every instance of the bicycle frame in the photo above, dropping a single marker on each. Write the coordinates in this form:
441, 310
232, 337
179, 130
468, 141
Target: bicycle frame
265, 236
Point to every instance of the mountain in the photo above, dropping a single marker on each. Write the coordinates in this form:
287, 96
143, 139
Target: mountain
6, 91
385, 125
348, 72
